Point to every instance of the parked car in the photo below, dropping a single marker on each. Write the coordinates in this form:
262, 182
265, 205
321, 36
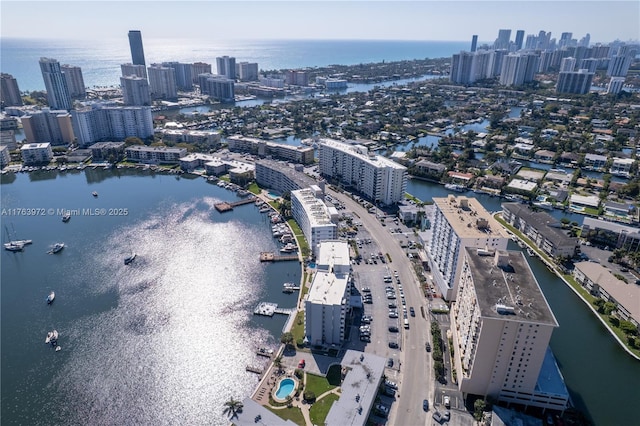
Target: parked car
427, 346
302, 363
425, 405
390, 362
393, 329
446, 401
393, 345
392, 385
412, 311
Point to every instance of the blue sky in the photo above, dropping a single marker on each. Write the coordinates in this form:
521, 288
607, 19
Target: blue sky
363, 19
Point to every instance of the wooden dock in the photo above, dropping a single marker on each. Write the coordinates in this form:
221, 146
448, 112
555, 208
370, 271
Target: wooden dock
253, 369
269, 309
228, 206
269, 256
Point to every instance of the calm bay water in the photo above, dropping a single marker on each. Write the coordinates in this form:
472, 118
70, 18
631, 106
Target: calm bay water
100, 60
162, 341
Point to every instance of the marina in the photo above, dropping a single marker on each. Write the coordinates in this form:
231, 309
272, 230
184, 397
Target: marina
227, 206
270, 309
269, 256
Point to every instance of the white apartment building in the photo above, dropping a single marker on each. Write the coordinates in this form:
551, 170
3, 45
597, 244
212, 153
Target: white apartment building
111, 123
263, 148
155, 154
502, 325
36, 153
458, 223
162, 82
376, 177
327, 303
313, 217
75, 81
135, 90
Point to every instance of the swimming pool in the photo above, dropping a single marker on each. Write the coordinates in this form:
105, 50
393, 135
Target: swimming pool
285, 388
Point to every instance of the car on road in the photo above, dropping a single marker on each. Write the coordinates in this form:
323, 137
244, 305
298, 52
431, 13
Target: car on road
425, 405
412, 311
446, 401
427, 346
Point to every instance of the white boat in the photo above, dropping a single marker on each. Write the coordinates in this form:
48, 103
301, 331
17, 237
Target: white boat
66, 217
57, 247
94, 193
289, 248
129, 259
455, 187
544, 205
14, 245
52, 337
51, 297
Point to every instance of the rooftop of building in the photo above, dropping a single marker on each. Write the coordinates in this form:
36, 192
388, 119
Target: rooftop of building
358, 390
328, 288
314, 208
269, 143
101, 145
361, 152
156, 148
506, 288
333, 253
627, 295
41, 145
468, 217
594, 223
543, 222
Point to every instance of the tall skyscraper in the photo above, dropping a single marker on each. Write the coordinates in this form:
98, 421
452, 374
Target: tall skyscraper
247, 71
461, 67
577, 82
474, 43
518, 69
226, 66
9, 92
501, 329
565, 40
131, 69
567, 64
198, 68
162, 82
57, 91
135, 90
458, 223
75, 82
184, 77
619, 66
519, 39
502, 42
137, 51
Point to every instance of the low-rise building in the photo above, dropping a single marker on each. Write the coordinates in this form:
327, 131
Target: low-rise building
107, 151
155, 154
34, 154
541, 228
5, 157
602, 283
239, 172
281, 176
208, 138
263, 148
610, 234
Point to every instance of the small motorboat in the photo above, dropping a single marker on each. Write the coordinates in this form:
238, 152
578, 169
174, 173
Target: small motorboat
66, 217
94, 193
51, 297
129, 259
58, 348
49, 336
57, 247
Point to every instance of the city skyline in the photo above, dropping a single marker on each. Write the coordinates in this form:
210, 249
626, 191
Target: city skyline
376, 20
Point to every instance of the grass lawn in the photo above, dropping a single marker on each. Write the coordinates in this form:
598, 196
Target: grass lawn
298, 327
320, 409
294, 414
254, 188
317, 384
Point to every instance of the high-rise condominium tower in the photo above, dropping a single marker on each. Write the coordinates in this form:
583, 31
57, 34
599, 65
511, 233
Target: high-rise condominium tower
135, 43
54, 81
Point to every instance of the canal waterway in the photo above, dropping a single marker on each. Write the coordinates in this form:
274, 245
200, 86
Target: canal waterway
164, 340
601, 377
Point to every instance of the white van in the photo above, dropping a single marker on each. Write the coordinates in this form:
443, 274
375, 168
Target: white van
406, 323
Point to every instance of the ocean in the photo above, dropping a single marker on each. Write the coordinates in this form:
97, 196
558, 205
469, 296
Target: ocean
100, 60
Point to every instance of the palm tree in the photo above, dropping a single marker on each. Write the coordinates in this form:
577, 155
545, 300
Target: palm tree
278, 363
232, 407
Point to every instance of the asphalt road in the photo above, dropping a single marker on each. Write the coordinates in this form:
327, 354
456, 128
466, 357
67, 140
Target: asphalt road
413, 369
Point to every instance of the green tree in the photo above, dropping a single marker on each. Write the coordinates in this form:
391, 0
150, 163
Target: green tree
232, 407
628, 328
287, 338
478, 408
278, 363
